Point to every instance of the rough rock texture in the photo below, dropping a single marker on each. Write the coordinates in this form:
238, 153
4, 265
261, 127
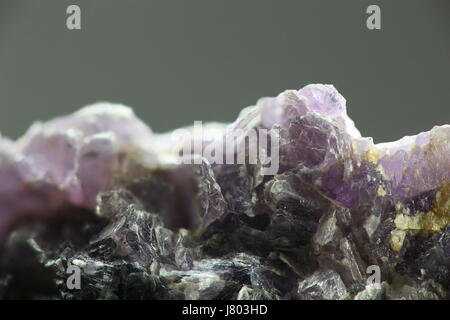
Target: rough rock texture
99, 191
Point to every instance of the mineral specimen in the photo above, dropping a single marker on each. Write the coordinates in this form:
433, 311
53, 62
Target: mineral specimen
150, 216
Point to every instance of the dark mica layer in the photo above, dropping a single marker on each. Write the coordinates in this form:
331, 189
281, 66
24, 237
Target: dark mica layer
341, 218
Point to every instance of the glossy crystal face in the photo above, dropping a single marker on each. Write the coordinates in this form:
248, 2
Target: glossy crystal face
337, 217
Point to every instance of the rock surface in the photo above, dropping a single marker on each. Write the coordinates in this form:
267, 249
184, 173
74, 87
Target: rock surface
340, 218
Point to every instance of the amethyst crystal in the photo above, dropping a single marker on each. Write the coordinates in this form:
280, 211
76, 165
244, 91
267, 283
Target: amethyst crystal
301, 206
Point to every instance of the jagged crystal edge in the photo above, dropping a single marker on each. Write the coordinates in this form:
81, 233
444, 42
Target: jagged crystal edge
71, 159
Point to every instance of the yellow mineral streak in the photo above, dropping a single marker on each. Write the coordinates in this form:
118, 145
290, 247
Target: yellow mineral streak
396, 239
434, 220
372, 155
381, 192
429, 221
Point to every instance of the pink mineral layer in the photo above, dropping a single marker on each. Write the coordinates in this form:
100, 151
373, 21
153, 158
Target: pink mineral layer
69, 160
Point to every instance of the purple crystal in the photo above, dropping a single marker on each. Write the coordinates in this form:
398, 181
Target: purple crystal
176, 209
69, 160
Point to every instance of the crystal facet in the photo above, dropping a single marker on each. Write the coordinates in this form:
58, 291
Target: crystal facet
340, 218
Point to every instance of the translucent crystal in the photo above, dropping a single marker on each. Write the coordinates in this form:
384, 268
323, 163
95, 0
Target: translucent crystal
165, 216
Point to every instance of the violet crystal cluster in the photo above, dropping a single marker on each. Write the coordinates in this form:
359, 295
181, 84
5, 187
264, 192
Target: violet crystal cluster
341, 218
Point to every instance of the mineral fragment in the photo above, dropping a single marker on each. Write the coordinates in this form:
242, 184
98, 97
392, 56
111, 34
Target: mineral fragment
182, 216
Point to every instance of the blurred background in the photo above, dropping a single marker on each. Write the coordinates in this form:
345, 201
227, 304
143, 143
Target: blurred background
176, 61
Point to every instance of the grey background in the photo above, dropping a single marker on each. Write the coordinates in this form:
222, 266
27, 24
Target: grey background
179, 61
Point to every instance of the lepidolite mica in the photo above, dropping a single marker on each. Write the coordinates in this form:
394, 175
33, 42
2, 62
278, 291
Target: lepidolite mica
99, 190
